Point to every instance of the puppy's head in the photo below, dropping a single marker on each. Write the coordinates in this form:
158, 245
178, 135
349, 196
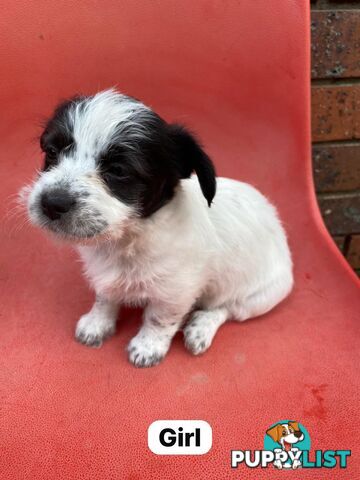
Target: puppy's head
286, 433
110, 159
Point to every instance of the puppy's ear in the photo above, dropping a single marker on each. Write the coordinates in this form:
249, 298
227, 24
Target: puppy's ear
275, 432
189, 157
295, 426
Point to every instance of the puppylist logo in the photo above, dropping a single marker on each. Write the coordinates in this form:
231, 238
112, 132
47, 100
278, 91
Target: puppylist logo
287, 446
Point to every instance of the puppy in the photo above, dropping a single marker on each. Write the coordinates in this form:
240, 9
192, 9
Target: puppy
286, 434
117, 182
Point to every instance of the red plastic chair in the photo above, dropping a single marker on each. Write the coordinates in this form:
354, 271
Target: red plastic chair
237, 72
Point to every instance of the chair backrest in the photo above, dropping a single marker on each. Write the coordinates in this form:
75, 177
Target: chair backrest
235, 72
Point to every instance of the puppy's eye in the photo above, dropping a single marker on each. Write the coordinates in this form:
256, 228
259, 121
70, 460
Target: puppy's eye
113, 171
114, 175
51, 153
284, 432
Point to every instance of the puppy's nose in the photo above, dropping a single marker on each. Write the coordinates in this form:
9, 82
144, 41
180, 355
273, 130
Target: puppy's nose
56, 202
298, 434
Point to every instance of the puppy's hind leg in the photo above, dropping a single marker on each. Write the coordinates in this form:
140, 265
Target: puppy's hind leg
263, 300
202, 327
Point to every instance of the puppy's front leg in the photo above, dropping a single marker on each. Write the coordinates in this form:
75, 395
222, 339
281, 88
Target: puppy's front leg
98, 324
151, 344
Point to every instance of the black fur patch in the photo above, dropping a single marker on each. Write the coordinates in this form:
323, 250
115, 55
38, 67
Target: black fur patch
139, 170
147, 172
189, 157
57, 135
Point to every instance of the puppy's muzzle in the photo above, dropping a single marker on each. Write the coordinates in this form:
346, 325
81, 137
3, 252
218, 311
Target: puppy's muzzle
55, 203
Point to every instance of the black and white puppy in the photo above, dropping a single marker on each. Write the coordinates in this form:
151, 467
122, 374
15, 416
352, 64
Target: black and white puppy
117, 183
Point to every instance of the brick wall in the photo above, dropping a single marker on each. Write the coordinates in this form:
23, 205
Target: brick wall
335, 72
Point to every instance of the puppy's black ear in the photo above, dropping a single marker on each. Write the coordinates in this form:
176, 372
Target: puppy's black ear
189, 157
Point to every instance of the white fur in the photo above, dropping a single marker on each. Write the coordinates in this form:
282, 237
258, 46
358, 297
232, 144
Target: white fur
229, 261
96, 122
185, 262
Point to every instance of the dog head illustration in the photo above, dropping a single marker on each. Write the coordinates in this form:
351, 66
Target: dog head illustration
286, 434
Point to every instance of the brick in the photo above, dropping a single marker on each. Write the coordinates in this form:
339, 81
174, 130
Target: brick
334, 4
341, 212
340, 242
336, 167
335, 112
353, 254
335, 43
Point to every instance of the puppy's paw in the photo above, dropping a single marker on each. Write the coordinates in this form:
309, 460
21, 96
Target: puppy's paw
198, 336
92, 330
146, 351
278, 464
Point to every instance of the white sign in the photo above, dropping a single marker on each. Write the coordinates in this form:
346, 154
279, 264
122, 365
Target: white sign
180, 437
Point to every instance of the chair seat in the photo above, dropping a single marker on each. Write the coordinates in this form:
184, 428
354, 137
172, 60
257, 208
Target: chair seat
238, 74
